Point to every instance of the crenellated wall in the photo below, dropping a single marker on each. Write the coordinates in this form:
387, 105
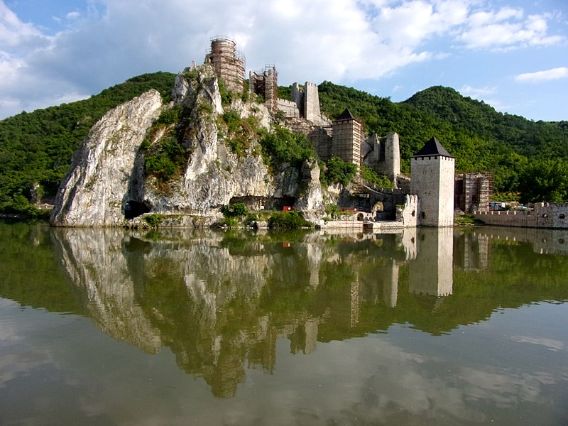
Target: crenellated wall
544, 215
408, 213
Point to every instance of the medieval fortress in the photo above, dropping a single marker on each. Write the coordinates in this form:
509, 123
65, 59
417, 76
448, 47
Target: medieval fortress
433, 191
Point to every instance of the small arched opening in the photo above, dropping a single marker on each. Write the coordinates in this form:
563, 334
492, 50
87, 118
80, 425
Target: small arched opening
134, 209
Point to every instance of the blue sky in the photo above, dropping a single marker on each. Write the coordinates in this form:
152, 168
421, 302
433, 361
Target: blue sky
512, 54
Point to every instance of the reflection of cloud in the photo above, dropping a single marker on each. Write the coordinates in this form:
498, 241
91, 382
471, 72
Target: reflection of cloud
550, 344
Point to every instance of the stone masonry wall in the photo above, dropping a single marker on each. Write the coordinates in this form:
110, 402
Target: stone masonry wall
288, 108
544, 215
433, 182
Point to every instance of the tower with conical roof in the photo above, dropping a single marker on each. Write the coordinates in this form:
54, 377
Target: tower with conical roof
432, 171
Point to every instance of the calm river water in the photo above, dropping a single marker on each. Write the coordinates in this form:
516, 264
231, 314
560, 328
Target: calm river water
441, 327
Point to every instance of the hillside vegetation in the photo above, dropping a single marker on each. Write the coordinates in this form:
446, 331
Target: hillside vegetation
532, 157
37, 148
523, 155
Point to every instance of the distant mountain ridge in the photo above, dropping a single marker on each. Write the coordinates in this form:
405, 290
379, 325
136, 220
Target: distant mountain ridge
36, 148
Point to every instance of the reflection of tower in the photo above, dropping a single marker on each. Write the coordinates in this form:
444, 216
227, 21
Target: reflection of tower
355, 301
311, 328
432, 271
390, 289
409, 243
483, 242
472, 251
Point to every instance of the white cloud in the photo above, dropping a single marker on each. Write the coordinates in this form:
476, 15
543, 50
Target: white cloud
73, 15
507, 28
338, 40
546, 75
477, 92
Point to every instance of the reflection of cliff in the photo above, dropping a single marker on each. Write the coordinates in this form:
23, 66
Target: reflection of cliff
94, 261
204, 299
220, 302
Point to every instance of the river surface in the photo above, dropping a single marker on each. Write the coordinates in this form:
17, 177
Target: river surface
421, 327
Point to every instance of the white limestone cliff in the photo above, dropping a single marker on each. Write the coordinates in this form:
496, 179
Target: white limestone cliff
214, 174
96, 189
108, 173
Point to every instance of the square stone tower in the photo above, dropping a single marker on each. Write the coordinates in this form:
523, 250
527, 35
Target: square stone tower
432, 172
347, 138
265, 84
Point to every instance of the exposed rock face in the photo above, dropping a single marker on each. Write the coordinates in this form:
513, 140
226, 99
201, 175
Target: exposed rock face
214, 174
310, 196
108, 176
100, 183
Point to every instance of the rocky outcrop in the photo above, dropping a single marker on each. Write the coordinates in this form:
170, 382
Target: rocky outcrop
310, 199
214, 174
108, 178
98, 186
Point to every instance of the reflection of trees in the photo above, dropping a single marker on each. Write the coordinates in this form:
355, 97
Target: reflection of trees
221, 302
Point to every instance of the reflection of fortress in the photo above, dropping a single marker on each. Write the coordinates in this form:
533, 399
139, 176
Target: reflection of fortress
221, 303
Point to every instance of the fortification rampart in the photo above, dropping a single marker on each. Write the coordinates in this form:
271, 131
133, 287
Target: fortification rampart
407, 214
544, 215
288, 108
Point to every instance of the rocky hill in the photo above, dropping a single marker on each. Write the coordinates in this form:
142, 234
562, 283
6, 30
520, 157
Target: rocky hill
532, 157
184, 160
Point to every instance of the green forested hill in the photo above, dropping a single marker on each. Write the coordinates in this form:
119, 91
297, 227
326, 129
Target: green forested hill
37, 147
524, 155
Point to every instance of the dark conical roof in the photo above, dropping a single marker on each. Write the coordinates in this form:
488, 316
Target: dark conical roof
346, 115
433, 147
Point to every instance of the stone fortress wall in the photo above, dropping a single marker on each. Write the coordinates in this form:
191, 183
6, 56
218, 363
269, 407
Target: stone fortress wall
432, 183
544, 215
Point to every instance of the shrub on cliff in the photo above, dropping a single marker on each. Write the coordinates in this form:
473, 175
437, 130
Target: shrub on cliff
376, 179
288, 220
338, 171
284, 146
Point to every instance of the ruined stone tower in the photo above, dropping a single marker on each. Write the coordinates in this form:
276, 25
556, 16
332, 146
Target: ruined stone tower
347, 138
432, 171
311, 102
382, 154
228, 65
265, 84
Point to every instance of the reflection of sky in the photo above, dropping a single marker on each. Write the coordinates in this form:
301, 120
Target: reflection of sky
62, 369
